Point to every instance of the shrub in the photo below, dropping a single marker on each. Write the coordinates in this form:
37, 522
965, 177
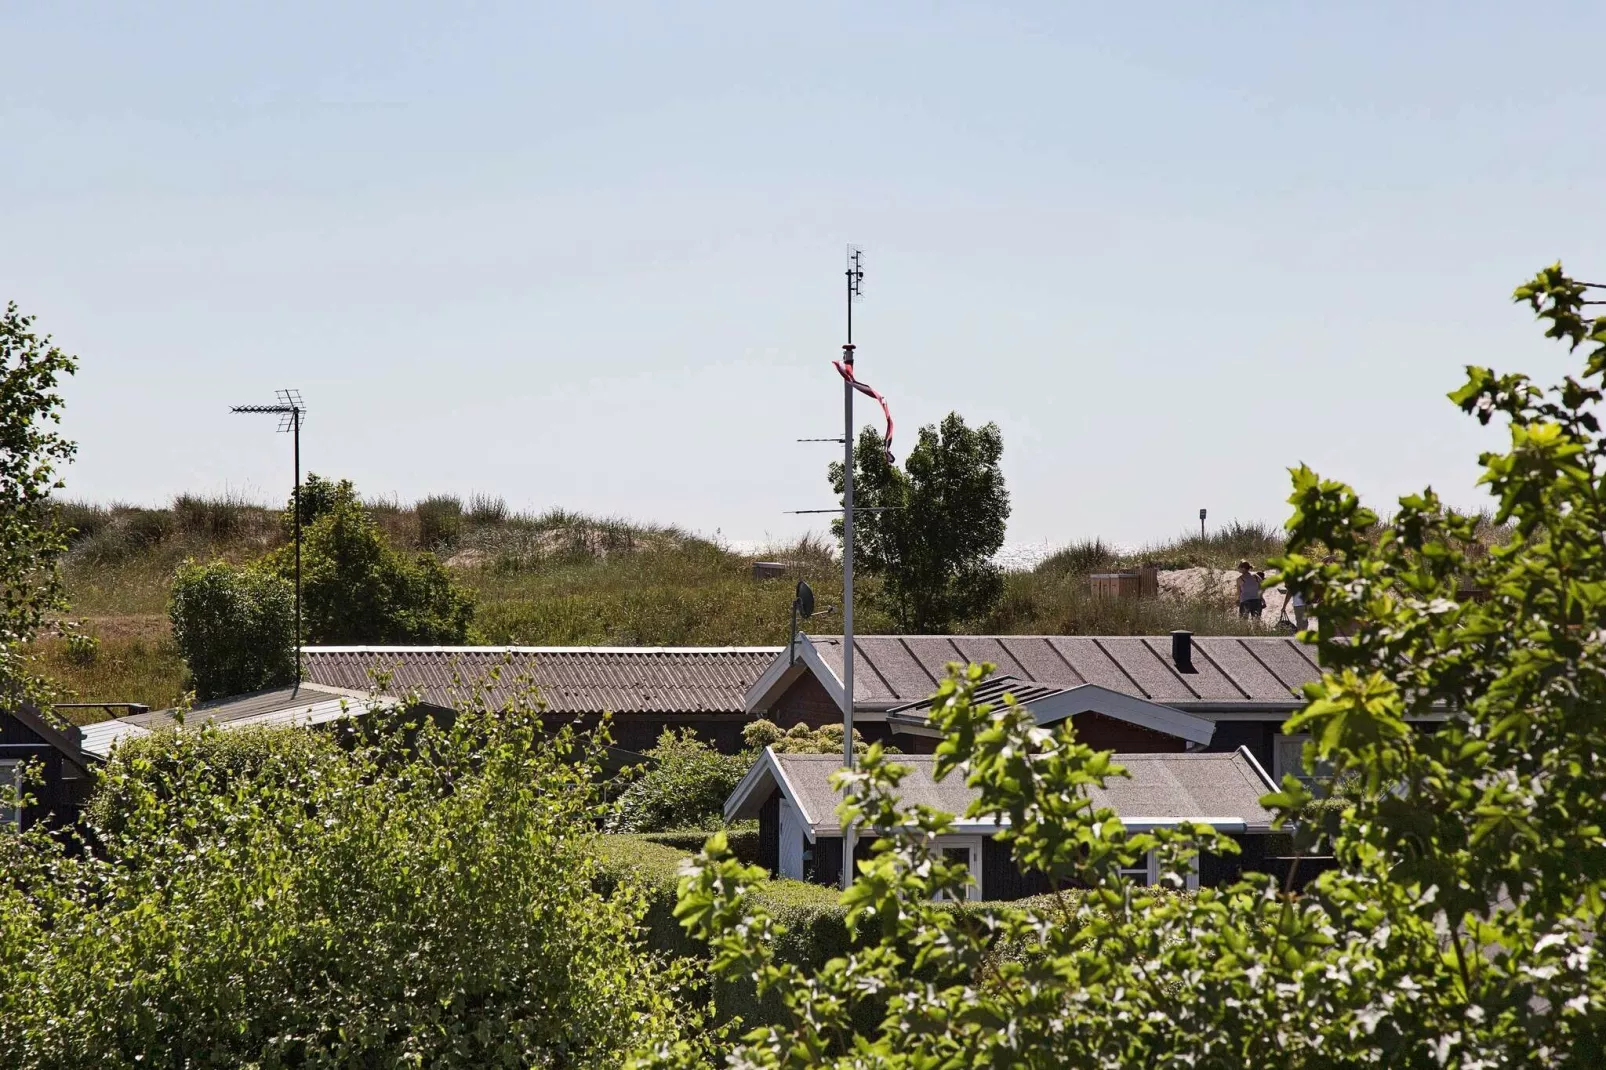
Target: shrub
487, 509
428, 898
685, 787
82, 649
319, 496
440, 522
212, 518
1078, 559
799, 739
357, 589
234, 626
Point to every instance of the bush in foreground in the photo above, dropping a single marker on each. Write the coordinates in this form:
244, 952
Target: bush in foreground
424, 899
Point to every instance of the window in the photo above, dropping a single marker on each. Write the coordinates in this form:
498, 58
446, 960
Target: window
1147, 871
10, 792
1288, 757
966, 850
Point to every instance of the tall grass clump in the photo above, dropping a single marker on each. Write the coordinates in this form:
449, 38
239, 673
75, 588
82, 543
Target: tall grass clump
487, 509
219, 518
440, 521
1079, 559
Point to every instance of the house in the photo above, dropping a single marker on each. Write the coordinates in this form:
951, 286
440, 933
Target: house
27, 737
1133, 694
304, 705
800, 835
647, 689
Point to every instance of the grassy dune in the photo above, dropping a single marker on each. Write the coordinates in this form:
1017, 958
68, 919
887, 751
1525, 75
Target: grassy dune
564, 579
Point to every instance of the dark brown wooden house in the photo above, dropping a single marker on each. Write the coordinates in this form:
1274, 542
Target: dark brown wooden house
29, 739
800, 836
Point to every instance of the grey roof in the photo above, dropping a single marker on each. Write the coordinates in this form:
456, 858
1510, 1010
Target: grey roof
1160, 789
307, 704
892, 670
622, 680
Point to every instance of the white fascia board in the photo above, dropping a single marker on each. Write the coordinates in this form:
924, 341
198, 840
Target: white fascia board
764, 770
1091, 698
1220, 824
1260, 770
783, 672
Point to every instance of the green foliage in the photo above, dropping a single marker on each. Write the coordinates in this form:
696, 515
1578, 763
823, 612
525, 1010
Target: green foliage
684, 786
799, 739
356, 588
419, 899
1079, 559
1459, 928
319, 496
32, 538
234, 626
440, 521
941, 520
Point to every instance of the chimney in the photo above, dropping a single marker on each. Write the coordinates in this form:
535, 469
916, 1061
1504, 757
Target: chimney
1182, 651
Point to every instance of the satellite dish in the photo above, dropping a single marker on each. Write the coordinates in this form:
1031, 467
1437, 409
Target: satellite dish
805, 600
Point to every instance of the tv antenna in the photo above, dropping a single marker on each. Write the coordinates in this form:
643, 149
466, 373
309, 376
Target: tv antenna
290, 410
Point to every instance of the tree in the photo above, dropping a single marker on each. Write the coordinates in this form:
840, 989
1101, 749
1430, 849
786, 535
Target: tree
32, 538
684, 786
423, 895
938, 523
234, 626
356, 588
1460, 927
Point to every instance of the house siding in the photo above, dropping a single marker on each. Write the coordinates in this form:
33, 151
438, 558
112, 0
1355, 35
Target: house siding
1001, 878
65, 788
1254, 735
769, 833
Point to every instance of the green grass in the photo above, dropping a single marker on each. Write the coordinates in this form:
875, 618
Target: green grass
560, 578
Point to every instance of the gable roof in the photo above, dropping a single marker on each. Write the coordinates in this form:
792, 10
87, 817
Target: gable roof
1230, 673
307, 704
1050, 705
1221, 790
67, 740
571, 680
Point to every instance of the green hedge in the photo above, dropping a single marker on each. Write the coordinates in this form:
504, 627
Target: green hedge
816, 929
816, 923
743, 840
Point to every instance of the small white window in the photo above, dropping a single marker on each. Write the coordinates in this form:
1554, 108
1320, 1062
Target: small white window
10, 792
1146, 871
1287, 756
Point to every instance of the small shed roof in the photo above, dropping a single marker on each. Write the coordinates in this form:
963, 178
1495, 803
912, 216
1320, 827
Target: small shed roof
1050, 705
1222, 790
305, 704
621, 679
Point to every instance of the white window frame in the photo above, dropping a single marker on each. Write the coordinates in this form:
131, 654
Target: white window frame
973, 845
11, 777
1146, 872
1295, 744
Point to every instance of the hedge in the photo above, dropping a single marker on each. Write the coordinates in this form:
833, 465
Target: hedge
815, 921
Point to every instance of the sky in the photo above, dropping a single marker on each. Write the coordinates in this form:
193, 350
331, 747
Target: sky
590, 256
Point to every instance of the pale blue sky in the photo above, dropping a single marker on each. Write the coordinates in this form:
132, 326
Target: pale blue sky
589, 256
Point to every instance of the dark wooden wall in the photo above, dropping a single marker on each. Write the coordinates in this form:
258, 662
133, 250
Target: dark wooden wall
1255, 735
66, 786
769, 833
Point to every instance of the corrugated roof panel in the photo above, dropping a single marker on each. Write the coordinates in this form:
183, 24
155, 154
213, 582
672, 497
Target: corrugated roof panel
1094, 664
1037, 657
576, 680
1231, 654
988, 648
1157, 678
1206, 680
1286, 658
909, 678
